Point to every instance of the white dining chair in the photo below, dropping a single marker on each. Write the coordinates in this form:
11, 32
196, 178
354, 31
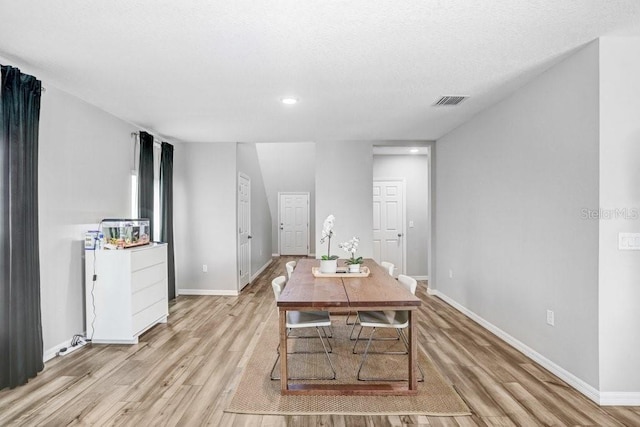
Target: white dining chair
303, 319
398, 320
388, 266
290, 266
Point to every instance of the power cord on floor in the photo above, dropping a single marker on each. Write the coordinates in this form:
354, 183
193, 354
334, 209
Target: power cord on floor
78, 341
93, 282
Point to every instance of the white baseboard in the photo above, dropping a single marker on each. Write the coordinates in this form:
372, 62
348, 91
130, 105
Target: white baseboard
275, 255
209, 292
421, 277
263, 268
612, 398
601, 398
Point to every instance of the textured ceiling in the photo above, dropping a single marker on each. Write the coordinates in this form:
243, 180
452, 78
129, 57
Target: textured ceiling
203, 70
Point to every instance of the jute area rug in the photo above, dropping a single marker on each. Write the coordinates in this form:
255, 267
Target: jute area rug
256, 393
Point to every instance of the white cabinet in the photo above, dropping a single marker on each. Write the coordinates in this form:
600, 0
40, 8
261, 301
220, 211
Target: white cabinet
128, 295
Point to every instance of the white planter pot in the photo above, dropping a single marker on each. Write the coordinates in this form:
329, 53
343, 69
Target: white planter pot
328, 265
354, 268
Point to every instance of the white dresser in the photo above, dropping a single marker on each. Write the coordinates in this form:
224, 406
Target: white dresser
129, 294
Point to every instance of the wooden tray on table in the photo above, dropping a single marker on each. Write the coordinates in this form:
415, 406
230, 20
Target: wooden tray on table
364, 272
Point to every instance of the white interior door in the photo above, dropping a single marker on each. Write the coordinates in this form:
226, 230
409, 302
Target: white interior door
294, 223
388, 223
244, 230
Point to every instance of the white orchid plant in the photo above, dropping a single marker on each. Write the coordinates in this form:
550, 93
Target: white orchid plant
352, 247
327, 233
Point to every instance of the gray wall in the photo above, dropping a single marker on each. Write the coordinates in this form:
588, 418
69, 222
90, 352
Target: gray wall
85, 167
619, 271
510, 187
344, 174
288, 167
260, 215
205, 181
414, 170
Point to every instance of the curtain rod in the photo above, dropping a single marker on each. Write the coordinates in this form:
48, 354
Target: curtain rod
42, 88
154, 138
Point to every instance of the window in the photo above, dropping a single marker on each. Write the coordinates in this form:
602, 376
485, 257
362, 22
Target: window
157, 152
134, 194
157, 156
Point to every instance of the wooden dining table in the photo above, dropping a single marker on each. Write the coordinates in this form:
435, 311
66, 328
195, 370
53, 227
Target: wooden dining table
378, 291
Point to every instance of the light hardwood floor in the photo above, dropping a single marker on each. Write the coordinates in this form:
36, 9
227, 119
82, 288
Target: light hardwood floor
183, 373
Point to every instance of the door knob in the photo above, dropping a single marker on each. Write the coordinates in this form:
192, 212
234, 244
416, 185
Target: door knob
249, 236
399, 234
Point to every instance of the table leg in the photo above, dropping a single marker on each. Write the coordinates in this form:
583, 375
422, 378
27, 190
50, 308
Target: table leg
284, 377
413, 353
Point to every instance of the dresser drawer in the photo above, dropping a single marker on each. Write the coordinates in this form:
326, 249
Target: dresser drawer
146, 277
143, 258
148, 296
149, 316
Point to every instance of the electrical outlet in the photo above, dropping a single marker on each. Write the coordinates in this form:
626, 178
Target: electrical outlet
205, 268
629, 241
551, 318
450, 274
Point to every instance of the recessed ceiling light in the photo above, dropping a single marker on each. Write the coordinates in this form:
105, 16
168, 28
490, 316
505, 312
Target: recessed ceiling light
289, 100
414, 150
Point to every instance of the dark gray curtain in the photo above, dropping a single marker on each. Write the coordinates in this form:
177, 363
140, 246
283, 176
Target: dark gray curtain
145, 180
166, 207
20, 321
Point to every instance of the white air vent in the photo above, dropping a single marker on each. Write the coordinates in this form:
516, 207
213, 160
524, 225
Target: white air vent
449, 101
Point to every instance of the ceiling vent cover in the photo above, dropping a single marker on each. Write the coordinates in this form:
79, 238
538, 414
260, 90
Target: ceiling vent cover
449, 101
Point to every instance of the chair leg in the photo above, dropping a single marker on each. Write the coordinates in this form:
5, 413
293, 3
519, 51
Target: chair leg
355, 323
367, 353
406, 344
356, 343
378, 339
289, 330
401, 336
324, 331
329, 335
274, 366
330, 331
347, 321
326, 352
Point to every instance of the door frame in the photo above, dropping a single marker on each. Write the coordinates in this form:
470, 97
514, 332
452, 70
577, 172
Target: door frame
430, 215
403, 183
295, 193
248, 178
